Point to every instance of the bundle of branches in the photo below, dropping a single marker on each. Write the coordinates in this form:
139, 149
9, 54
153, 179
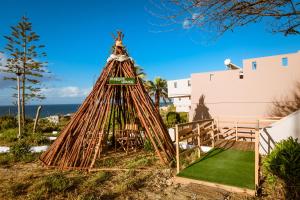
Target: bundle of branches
109, 105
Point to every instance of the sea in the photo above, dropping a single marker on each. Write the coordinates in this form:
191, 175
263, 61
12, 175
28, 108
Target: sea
47, 110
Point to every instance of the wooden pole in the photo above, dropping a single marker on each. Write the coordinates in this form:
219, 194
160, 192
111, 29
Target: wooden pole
177, 149
218, 128
256, 158
199, 140
213, 134
236, 131
36, 118
19, 102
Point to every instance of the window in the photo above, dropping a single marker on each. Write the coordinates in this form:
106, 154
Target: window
210, 76
241, 75
284, 62
175, 84
189, 83
254, 65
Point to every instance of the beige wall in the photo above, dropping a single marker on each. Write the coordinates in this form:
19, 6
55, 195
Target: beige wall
228, 95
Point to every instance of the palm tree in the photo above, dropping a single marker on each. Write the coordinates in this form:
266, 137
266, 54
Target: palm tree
140, 72
159, 89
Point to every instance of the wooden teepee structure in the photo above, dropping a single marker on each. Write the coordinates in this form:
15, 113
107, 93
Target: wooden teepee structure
117, 99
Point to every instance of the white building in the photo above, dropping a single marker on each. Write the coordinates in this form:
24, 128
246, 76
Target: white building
180, 92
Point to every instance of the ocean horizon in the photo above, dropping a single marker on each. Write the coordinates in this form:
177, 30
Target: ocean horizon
47, 110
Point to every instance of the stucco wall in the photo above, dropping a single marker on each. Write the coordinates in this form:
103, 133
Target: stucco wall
288, 126
182, 104
228, 95
182, 89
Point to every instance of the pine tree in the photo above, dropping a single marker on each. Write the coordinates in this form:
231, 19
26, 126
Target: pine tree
24, 54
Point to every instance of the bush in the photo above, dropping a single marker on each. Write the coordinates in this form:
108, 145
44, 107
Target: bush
9, 135
173, 118
148, 145
7, 122
5, 160
183, 117
284, 163
44, 126
20, 150
37, 139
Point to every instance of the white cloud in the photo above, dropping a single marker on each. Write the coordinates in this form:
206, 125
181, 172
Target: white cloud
189, 22
195, 16
186, 24
69, 91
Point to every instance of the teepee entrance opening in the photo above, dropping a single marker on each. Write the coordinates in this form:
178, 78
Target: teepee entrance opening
118, 114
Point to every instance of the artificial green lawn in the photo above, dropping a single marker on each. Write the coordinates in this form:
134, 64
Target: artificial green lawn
229, 167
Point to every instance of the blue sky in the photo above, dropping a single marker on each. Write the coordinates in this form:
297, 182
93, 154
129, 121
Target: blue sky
77, 35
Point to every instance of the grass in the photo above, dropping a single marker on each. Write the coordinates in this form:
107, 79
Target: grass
228, 167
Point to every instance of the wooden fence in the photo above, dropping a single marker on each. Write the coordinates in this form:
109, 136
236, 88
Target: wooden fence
195, 134
208, 132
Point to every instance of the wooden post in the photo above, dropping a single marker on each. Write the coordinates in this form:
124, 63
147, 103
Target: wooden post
213, 134
19, 115
177, 148
236, 131
218, 128
36, 118
199, 140
256, 158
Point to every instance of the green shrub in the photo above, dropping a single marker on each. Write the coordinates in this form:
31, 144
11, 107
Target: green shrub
20, 150
37, 139
9, 135
284, 163
5, 160
44, 126
148, 145
183, 117
8, 122
173, 118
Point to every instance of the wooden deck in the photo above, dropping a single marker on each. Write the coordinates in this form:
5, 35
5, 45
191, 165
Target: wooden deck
236, 145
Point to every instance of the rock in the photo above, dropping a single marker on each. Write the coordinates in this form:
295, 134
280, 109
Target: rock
169, 182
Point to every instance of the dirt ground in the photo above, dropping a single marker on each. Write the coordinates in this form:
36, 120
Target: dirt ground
157, 185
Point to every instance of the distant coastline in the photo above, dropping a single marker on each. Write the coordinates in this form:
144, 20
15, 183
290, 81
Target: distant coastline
47, 110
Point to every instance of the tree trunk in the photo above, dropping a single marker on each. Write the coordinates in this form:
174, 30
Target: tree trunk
19, 114
157, 100
36, 118
24, 80
23, 99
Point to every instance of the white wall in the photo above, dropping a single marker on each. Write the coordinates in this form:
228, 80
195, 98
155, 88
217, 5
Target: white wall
182, 104
282, 129
182, 89
180, 94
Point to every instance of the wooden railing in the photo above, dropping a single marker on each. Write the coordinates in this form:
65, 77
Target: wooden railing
207, 132
195, 133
